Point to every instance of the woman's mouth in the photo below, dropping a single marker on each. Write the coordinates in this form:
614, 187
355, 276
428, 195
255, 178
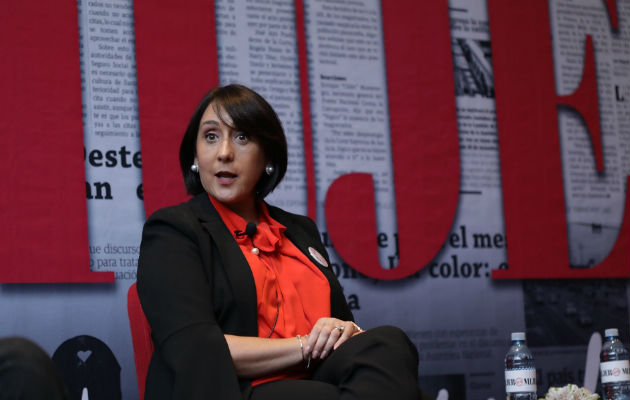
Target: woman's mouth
225, 177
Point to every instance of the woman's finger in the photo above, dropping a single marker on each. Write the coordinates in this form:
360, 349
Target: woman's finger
319, 335
322, 339
336, 333
348, 332
312, 338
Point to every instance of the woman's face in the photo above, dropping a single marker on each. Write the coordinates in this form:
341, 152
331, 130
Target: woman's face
230, 162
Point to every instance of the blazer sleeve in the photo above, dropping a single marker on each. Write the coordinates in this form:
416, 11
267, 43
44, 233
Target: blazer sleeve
176, 297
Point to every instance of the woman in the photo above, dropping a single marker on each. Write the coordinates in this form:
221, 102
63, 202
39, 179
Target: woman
239, 295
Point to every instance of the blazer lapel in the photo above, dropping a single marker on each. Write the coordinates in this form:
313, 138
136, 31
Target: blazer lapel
301, 239
234, 262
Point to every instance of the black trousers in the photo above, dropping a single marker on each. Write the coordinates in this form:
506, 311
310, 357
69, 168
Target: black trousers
27, 373
380, 363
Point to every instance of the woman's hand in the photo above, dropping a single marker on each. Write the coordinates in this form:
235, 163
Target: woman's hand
327, 335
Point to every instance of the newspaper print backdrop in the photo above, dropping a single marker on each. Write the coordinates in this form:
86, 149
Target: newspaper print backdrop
454, 312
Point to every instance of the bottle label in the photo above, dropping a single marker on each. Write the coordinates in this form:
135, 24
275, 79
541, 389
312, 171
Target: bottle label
520, 380
615, 371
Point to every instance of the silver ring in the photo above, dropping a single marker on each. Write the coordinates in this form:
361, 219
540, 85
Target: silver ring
340, 327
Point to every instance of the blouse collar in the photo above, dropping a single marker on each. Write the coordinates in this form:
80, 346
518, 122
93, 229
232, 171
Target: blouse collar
268, 236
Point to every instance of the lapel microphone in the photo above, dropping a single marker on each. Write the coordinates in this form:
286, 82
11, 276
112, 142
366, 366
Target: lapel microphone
250, 230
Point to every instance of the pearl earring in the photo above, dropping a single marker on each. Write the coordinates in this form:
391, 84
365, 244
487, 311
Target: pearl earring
269, 169
194, 168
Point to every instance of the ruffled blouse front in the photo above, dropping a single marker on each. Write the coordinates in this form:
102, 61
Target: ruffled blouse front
291, 292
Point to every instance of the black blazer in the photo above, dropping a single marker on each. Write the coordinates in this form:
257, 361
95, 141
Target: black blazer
195, 285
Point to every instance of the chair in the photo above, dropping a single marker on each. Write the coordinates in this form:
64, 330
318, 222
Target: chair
140, 337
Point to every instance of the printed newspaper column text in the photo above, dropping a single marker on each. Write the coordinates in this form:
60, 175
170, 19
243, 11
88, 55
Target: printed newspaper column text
256, 45
121, 259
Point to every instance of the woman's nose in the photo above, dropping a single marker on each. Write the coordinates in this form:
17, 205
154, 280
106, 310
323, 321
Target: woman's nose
226, 152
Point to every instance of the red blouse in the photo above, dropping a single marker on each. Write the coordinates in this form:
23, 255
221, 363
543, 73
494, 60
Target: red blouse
292, 293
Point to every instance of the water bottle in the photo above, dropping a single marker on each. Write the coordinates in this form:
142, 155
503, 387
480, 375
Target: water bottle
520, 371
614, 367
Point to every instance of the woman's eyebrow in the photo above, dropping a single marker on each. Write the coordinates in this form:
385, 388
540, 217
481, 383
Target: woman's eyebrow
211, 122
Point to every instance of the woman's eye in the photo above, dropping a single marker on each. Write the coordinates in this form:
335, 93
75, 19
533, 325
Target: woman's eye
211, 137
242, 137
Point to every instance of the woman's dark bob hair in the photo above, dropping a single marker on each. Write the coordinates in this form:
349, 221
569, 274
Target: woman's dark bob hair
250, 114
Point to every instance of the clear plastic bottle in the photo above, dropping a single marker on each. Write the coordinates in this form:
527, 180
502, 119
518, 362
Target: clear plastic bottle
614, 367
520, 371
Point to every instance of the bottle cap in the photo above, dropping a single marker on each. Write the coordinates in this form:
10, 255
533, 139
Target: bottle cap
518, 335
611, 332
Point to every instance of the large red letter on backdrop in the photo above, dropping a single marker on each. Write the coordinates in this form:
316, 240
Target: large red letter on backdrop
176, 57
43, 206
425, 147
309, 162
529, 145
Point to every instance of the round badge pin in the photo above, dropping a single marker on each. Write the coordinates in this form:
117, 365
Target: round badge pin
318, 257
